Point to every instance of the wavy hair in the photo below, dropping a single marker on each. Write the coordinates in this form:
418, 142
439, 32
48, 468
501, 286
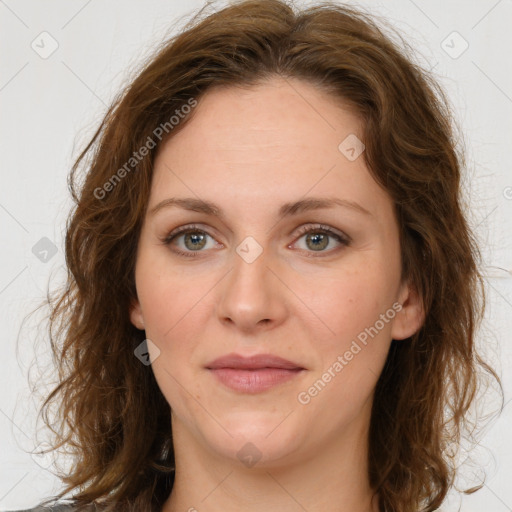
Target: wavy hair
111, 415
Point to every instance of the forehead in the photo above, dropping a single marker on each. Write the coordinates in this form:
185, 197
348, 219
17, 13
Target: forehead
279, 139
275, 112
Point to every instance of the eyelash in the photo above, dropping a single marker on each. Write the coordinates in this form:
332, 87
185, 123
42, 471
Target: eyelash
317, 228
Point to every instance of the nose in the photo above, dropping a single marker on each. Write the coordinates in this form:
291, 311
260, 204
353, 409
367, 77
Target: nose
252, 297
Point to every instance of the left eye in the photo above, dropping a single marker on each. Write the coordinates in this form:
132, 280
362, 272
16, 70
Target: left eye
317, 238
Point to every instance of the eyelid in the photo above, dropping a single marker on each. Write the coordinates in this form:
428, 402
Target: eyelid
317, 226
183, 230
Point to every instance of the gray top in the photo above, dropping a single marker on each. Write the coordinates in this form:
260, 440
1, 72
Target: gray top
55, 508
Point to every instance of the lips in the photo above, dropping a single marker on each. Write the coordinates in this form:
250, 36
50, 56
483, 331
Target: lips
253, 374
256, 362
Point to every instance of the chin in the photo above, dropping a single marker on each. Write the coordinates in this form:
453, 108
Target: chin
258, 441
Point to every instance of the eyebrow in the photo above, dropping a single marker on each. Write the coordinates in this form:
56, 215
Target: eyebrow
286, 210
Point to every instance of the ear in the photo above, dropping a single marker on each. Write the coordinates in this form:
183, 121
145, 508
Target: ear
136, 315
411, 316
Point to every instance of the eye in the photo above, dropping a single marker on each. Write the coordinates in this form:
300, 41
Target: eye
317, 238
194, 239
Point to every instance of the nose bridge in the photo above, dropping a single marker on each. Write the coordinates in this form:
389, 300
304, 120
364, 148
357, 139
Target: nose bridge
251, 294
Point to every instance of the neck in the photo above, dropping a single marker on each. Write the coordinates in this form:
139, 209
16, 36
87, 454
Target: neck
335, 477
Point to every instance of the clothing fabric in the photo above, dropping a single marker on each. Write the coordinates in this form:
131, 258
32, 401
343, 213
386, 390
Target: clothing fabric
56, 508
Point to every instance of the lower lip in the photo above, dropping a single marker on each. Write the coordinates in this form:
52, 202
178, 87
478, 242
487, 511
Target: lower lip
254, 381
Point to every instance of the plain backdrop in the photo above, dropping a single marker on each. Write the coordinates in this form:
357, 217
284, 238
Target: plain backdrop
61, 64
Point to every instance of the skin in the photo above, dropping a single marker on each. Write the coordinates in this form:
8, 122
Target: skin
249, 150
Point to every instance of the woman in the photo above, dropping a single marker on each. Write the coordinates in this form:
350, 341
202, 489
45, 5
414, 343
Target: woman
273, 292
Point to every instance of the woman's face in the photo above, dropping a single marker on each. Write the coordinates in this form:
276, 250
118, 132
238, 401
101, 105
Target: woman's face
252, 281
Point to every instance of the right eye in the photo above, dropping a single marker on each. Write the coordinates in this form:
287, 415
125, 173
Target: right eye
193, 238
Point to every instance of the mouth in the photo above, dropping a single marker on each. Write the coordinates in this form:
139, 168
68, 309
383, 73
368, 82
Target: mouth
253, 374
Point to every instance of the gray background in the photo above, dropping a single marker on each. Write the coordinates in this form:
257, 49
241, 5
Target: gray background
52, 102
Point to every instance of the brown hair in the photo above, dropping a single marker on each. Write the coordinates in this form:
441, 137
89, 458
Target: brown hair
112, 414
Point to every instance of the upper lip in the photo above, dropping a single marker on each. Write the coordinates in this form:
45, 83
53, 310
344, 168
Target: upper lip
254, 362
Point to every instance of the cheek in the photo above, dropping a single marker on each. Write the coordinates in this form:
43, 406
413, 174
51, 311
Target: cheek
171, 305
168, 297
348, 301
351, 361
356, 308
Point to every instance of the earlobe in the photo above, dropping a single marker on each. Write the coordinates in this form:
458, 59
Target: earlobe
411, 316
136, 315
